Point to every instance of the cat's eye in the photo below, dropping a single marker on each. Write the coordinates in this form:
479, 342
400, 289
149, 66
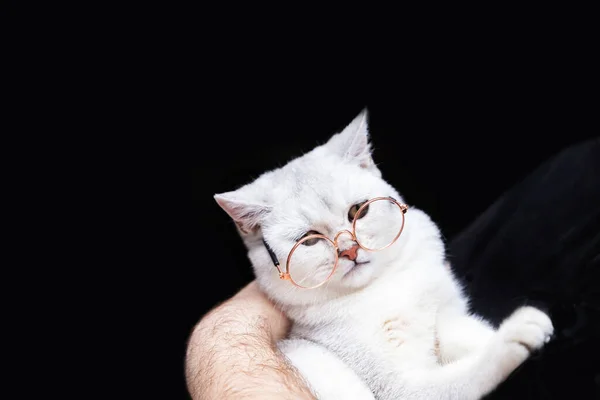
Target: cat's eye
310, 242
354, 209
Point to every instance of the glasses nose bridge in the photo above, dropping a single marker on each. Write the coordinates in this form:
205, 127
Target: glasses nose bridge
335, 239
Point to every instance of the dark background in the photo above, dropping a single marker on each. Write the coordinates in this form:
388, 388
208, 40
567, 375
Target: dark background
450, 147
187, 102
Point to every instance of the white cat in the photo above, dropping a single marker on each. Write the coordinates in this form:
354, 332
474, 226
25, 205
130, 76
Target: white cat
390, 324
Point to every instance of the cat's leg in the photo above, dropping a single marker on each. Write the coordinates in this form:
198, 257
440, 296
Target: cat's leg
328, 377
459, 333
480, 372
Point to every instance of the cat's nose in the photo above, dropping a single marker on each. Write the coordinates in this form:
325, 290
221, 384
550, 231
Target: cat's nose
350, 253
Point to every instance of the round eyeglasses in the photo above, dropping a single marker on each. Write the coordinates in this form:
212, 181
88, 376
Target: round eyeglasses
376, 225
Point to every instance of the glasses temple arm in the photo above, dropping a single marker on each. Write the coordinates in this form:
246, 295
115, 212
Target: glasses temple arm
403, 207
271, 254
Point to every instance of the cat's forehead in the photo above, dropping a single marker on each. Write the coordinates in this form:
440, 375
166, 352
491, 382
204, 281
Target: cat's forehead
316, 181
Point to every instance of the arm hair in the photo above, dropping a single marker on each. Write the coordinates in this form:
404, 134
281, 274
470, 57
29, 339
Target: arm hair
231, 354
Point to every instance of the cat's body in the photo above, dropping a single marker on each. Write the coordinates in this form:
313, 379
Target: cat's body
396, 315
397, 327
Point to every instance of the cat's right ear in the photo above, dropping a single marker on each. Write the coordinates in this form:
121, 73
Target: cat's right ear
246, 215
352, 143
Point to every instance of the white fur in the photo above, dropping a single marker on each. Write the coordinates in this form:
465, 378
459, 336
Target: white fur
398, 327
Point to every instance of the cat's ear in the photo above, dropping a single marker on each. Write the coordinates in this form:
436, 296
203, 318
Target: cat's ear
353, 142
247, 215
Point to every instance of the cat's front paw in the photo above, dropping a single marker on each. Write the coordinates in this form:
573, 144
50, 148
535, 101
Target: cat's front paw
528, 328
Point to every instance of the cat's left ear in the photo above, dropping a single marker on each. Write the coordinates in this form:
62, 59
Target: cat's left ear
353, 142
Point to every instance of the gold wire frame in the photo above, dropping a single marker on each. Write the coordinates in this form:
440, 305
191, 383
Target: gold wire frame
286, 275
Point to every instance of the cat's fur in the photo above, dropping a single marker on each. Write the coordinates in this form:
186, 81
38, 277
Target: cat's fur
398, 327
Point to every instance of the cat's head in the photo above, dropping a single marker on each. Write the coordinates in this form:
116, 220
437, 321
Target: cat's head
316, 192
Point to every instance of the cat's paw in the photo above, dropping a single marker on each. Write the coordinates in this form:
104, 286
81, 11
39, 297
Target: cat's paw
528, 328
394, 331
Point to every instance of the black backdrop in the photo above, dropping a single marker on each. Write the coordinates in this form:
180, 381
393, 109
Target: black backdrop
451, 146
195, 102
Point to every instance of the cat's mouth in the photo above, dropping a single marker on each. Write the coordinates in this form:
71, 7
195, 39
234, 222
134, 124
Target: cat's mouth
355, 266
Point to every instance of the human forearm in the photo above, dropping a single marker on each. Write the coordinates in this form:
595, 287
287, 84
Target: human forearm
232, 354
